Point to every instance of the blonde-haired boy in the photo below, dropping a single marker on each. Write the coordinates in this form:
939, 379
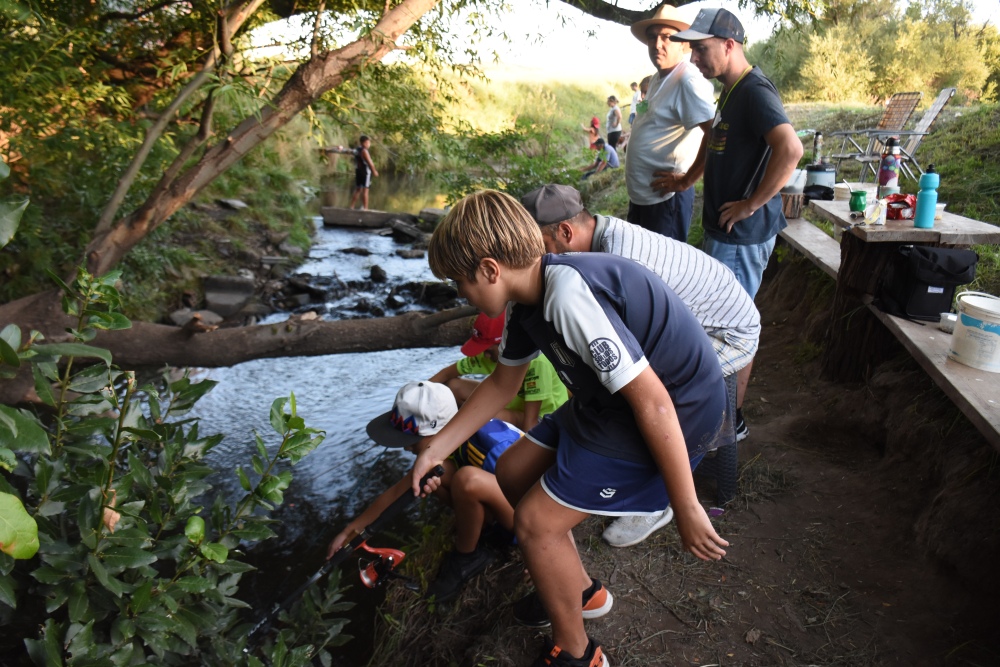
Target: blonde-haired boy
648, 401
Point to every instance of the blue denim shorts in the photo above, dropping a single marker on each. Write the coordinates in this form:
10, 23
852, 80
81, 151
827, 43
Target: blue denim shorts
747, 261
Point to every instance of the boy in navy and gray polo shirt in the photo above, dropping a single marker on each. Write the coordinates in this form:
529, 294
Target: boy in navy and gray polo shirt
648, 400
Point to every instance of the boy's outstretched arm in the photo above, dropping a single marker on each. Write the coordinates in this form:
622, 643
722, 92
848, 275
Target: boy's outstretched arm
657, 421
370, 514
490, 396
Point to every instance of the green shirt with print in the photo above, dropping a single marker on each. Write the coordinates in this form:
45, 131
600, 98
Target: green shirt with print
541, 383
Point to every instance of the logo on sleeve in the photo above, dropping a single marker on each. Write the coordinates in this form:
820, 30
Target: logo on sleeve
608, 492
605, 353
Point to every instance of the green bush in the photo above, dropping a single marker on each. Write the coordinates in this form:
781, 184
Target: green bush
114, 549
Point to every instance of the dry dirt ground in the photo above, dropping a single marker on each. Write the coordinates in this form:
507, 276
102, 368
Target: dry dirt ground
866, 532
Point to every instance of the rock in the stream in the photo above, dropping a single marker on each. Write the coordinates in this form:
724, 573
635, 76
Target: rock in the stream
411, 253
226, 295
378, 274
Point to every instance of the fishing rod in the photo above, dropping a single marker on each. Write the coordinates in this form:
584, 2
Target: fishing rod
386, 560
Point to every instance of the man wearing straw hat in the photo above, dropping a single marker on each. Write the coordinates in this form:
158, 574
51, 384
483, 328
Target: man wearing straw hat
664, 160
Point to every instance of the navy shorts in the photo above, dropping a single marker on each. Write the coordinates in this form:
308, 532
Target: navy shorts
588, 482
363, 178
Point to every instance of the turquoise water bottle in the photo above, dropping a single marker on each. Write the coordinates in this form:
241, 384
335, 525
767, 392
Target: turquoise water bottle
923, 217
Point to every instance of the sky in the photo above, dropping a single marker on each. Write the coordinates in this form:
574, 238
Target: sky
576, 45
551, 40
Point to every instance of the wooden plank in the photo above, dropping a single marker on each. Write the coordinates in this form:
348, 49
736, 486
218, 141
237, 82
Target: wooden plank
951, 229
346, 217
975, 392
815, 244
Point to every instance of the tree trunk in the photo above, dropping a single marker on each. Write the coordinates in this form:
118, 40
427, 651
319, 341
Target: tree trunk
312, 79
148, 344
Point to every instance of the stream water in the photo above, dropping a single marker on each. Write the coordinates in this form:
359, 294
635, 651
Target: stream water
336, 393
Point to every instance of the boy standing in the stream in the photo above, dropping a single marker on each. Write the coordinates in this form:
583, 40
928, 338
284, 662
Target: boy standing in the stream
364, 169
648, 401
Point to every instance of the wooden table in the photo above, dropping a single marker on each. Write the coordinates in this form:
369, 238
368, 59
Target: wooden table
857, 340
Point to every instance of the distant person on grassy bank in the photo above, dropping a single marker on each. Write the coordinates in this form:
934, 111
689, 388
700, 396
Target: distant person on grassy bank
364, 169
541, 391
468, 485
593, 131
749, 154
614, 121
636, 98
707, 287
663, 153
607, 158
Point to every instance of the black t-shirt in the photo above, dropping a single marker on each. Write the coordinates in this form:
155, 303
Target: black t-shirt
737, 158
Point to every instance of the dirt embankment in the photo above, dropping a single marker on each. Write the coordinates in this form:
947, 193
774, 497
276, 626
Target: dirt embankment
866, 532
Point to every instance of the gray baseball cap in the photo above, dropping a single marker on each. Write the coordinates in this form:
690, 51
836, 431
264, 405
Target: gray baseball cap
552, 203
712, 23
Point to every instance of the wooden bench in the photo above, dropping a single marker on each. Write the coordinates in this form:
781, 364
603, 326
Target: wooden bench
814, 243
975, 392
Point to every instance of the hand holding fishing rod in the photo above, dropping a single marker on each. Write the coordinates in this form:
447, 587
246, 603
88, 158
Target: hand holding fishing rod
386, 561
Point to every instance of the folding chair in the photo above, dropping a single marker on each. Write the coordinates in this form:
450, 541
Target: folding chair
898, 110
913, 137
922, 129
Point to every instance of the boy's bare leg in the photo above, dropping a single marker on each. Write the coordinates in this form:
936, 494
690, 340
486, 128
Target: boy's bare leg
477, 496
543, 531
742, 380
354, 196
364, 199
521, 466
462, 388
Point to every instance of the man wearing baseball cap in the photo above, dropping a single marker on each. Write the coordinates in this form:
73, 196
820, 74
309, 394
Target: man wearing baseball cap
750, 152
664, 152
468, 485
541, 392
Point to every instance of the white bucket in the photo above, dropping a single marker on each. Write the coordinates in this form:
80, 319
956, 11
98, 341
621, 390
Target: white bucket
976, 341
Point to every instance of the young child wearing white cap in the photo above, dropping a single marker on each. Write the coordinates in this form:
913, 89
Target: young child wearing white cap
468, 485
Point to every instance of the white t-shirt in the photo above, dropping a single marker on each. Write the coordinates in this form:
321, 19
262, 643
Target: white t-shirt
706, 286
612, 125
666, 137
636, 98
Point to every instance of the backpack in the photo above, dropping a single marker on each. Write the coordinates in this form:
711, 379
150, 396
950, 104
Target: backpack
920, 281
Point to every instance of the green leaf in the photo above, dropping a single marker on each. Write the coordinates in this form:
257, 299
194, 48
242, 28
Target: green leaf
7, 595
214, 551
254, 532
90, 380
11, 334
110, 321
193, 584
7, 460
244, 482
8, 354
141, 597
43, 386
4, 170
117, 559
74, 350
10, 218
195, 529
79, 603
18, 531
278, 415
29, 436
113, 585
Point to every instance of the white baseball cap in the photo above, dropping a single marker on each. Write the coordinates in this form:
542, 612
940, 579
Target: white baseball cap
420, 409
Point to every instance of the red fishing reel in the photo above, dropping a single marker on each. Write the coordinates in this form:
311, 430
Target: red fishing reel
381, 567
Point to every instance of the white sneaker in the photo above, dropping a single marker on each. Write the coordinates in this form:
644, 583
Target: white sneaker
629, 530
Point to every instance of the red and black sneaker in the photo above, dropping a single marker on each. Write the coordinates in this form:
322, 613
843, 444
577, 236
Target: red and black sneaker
553, 656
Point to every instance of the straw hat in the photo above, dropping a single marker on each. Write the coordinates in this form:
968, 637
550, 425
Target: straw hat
665, 15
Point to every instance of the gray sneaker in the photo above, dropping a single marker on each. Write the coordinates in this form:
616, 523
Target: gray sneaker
629, 530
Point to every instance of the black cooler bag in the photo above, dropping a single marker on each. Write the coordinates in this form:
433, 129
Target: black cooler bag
920, 281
